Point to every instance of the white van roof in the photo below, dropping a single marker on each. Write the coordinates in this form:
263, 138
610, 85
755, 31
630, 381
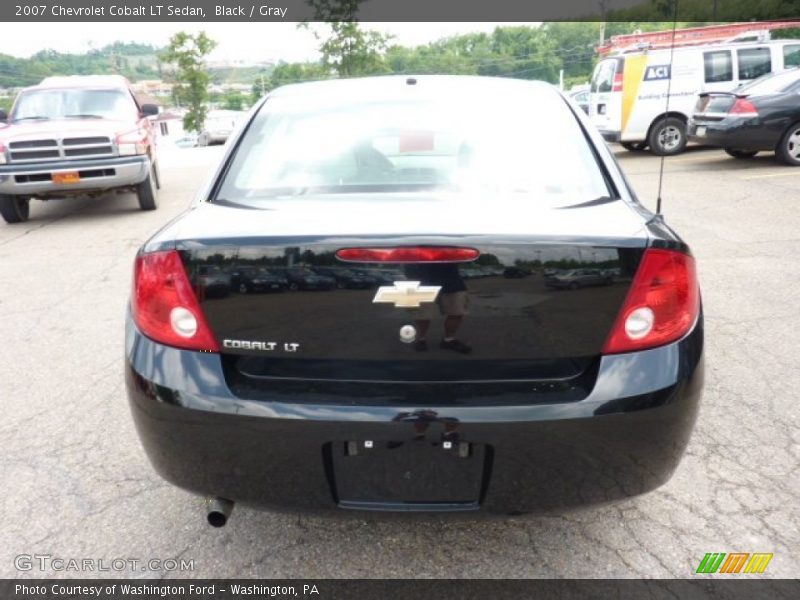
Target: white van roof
728, 45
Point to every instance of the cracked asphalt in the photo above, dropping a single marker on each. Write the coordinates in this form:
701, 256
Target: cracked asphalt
76, 483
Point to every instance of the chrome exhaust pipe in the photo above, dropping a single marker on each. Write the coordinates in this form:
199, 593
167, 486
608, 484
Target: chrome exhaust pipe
218, 511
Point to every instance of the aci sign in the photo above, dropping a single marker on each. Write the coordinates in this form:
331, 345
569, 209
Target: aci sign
655, 72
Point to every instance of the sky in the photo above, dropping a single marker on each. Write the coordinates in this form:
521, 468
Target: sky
236, 41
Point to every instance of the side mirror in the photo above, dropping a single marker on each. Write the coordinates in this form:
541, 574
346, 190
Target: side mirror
149, 110
3, 115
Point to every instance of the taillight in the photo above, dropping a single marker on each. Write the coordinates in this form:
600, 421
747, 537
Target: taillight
408, 254
164, 306
743, 108
132, 142
662, 304
617, 86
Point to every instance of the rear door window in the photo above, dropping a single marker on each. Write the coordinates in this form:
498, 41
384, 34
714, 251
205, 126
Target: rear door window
791, 55
718, 66
603, 80
753, 62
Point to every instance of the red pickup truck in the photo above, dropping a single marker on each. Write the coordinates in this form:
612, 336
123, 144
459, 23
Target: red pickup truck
73, 136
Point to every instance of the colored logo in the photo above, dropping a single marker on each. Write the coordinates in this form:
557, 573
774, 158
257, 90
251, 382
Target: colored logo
656, 72
734, 562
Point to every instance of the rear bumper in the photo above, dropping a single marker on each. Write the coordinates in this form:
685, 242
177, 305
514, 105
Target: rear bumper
733, 132
625, 438
32, 179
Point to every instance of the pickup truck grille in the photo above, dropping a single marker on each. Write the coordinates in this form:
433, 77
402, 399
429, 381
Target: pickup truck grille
55, 149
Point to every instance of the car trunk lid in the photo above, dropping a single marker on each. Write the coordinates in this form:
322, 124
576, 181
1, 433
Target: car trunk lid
518, 326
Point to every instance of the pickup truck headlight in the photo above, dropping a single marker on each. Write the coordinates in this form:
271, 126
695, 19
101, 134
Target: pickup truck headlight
132, 143
3, 159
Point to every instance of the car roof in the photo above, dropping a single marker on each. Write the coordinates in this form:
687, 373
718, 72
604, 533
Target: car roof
390, 86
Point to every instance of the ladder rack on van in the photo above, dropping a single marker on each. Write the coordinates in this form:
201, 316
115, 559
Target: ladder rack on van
692, 36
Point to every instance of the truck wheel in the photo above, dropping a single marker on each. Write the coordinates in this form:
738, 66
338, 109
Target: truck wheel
735, 153
667, 136
634, 146
788, 150
146, 192
15, 209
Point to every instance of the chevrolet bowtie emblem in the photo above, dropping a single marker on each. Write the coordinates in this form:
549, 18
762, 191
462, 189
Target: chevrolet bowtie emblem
406, 294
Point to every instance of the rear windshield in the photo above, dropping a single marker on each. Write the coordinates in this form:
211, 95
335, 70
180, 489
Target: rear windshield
524, 144
771, 84
73, 103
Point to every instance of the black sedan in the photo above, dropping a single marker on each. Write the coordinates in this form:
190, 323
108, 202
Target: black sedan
365, 401
761, 115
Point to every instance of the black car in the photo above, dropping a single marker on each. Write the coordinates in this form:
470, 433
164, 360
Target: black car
761, 115
347, 278
302, 278
374, 401
246, 279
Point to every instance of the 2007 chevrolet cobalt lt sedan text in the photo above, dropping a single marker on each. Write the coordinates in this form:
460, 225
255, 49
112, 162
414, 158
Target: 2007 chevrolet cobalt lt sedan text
440, 384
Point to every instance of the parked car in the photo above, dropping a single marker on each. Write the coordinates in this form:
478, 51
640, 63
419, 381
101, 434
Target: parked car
579, 278
628, 89
582, 98
762, 115
303, 278
380, 276
246, 279
345, 278
218, 127
515, 273
72, 136
332, 401
211, 281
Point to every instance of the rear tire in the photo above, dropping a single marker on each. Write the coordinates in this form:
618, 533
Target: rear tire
634, 146
788, 150
146, 191
15, 209
667, 136
740, 153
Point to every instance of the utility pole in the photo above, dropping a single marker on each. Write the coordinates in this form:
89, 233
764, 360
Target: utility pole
603, 10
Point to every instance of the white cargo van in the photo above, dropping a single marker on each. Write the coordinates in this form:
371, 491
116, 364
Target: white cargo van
628, 95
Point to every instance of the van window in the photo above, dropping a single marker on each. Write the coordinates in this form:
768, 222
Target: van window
753, 62
791, 55
603, 80
718, 66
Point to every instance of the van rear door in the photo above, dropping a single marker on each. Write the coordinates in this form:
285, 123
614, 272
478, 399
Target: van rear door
605, 108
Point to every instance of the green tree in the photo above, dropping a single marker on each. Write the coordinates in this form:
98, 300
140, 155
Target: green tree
233, 101
348, 49
188, 52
